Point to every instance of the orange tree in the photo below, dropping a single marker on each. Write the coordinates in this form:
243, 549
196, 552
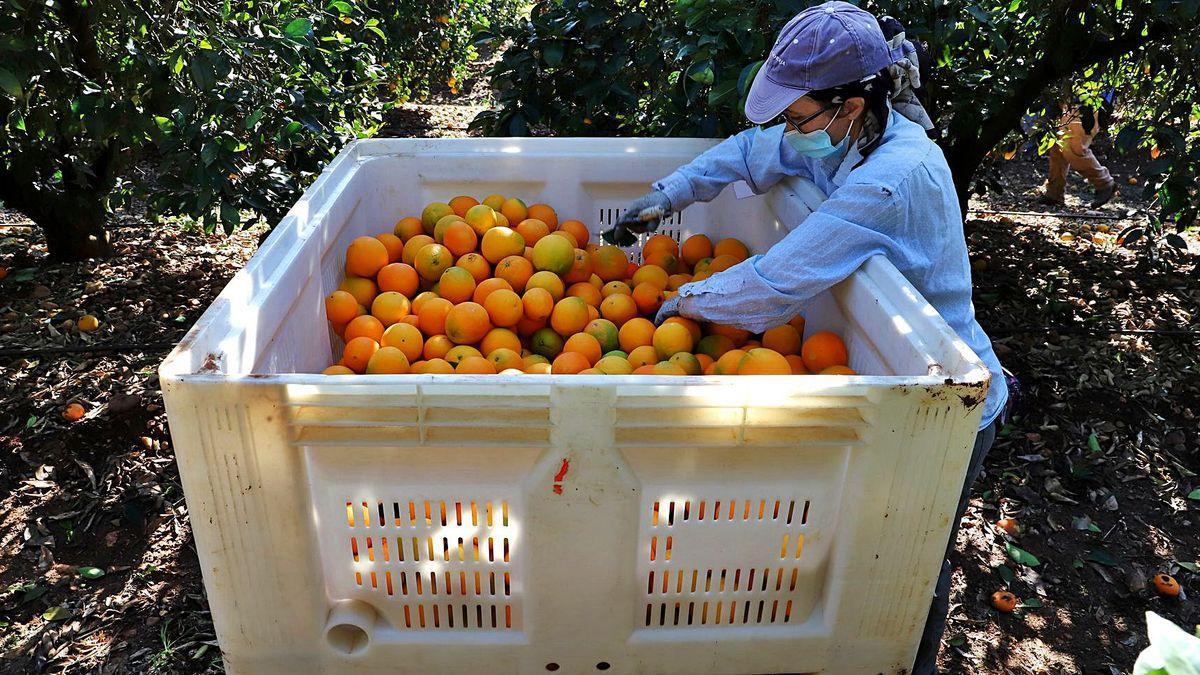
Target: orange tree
682, 67
207, 109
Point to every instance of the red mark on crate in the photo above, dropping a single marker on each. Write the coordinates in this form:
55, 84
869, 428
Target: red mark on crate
562, 473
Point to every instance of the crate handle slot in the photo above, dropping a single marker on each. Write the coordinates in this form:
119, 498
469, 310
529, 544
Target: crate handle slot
350, 627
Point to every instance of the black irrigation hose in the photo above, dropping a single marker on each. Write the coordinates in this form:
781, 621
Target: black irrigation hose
1046, 214
86, 349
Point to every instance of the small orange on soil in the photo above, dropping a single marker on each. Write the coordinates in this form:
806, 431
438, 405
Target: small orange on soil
763, 361
538, 303
1008, 525
731, 247
569, 363
460, 352
489, 286
358, 353
413, 245
504, 307
467, 323
363, 290
387, 361
364, 326
581, 268
405, 337
569, 316
475, 365
544, 213
437, 367
670, 339
643, 356
365, 257
586, 292
337, 370
783, 339
407, 228
822, 350
431, 318
797, 364
393, 244
652, 274
618, 308
340, 307
729, 362
610, 263
615, 288
636, 332
389, 308
648, 297
499, 338
461, 204
577, 230
1004, 601
87, 323
532, 229
460, 238
516, 270
839, 370
504, 359
549, 281
436, 347
400, 278
73, 412
696, 248
1165, 585
477, 265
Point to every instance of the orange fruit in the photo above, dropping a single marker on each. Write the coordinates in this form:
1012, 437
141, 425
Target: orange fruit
649, 297
407, 228
1004, 601
569, 363
460, 238
526, 327
432, 213
676, 280
590, 371
358, 353
729, 362
546, 342
636, 332
696, 248
514, 209
797, 364
365, 257
419, 301
500, 242
501, 220
586, 292
687, 361
438, 367
618, 308
531, 358
822, 350
456, 285
1165, 585
593, 313
364, 326
443, 225
630, 270
614, 365
532, 229
670, 339
735, 335
481, 218
389, 307
387, 361
487, 287
585, 344
569, 316
537, 303
504, 307
838, 370
74, 412
340, 307
643, 356
393, 244
651, 274
663, 259
692, 326
549, 281
554, 254
499, 338
337, 370
436, 347
459, 352
405, 337
700, 270
722, 263
431, 318
545, 214
763, 361
798, 324
660, 242
475, 365
87, 323
647, 369
1008, 525
432, 260
494, 201
606, 334
477, 265
616, 288
706, 362
581, 268
783, 339
413, 245
363, 290
751, 344
714, 346
538, 369
504, 359
467, 323
516, 270
461, 204
731, 247
577, 230
400, 278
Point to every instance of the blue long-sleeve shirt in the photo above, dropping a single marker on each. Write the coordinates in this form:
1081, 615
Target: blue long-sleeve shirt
900, 203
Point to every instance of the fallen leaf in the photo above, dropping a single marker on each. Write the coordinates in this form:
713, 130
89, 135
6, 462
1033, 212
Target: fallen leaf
1021, 556
58, 613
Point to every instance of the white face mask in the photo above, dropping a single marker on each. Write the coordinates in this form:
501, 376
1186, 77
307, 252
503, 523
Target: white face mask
815, 143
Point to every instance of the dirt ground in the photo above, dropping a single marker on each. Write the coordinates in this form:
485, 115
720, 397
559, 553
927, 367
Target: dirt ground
98, 570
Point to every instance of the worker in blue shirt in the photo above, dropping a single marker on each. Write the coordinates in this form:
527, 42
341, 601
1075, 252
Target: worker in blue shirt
843, 83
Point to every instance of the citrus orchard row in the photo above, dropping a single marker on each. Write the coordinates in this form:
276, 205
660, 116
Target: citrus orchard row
500, 287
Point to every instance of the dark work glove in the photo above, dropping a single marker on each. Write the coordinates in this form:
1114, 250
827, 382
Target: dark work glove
643, 215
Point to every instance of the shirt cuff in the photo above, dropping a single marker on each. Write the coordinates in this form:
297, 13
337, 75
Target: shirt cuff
678, 190
737, 297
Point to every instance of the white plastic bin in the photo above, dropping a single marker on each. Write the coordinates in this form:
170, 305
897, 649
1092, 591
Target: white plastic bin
572, 523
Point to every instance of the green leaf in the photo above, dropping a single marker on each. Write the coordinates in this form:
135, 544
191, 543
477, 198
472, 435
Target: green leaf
1005, 573
59, 613
1103, 557
1093, 443
1021, 556
1031, 603
32, 592
91, 572
298, 28
722, 91
553, 53
1194, 494
1190, 566
9, 82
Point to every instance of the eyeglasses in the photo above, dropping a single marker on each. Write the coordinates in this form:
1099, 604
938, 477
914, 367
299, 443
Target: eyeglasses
796, 125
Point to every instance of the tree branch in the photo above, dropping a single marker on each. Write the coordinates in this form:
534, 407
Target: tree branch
87, 53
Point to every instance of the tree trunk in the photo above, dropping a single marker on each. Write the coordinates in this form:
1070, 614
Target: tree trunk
74, 234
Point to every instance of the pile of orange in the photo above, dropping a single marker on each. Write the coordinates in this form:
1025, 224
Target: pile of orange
500, 287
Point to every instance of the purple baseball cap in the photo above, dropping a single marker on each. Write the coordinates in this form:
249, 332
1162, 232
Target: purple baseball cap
825, 46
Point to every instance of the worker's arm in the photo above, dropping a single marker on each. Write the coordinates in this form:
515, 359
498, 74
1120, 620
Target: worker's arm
767, 290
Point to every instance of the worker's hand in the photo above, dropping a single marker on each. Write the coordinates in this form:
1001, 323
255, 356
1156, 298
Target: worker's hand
669, 309
643, 215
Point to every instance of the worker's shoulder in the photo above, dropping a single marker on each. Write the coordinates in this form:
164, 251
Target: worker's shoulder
906, 159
